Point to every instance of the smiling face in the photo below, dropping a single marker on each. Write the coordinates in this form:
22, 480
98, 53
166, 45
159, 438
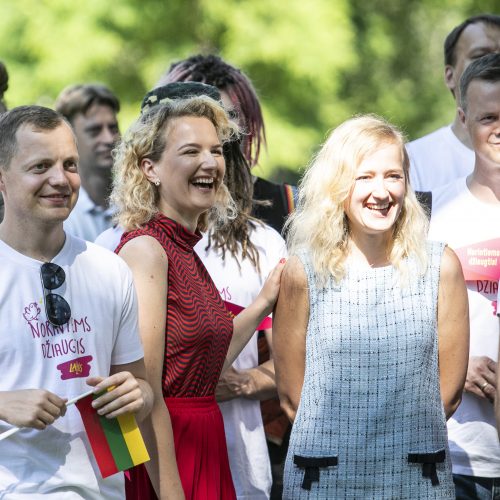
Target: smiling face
190, 170
41, 182
378, 193
482, 120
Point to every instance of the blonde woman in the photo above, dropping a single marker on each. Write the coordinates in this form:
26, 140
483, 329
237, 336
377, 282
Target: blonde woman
169, 175
371, 329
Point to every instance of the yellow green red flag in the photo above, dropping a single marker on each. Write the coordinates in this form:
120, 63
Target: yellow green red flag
117, 442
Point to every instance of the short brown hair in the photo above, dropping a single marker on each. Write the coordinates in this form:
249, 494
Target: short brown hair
452, 39
39, 117
486, 68
78, 99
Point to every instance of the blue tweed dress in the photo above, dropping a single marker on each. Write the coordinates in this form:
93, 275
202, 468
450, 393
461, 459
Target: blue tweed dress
370, 424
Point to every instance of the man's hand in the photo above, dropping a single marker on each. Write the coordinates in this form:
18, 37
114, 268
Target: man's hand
256, 383
126, 395
234, 384
481, 377
35, 408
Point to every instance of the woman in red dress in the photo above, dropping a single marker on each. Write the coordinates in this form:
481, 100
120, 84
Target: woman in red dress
169, 175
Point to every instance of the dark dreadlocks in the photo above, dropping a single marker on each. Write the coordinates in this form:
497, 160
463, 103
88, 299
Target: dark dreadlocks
212, 70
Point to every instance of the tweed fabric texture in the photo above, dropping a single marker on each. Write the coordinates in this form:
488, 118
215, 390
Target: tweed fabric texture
371, 394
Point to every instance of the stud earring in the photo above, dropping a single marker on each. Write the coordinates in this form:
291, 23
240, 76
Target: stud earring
157, 182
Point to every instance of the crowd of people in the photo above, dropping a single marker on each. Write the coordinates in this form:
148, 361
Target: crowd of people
356, 359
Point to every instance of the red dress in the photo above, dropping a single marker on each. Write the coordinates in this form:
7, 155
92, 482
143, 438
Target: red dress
197, 335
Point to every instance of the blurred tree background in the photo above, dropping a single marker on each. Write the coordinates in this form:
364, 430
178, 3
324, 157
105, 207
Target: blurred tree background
314, 63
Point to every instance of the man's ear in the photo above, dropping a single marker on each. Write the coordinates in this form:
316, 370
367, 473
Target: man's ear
149, 169
461, 115
449, 78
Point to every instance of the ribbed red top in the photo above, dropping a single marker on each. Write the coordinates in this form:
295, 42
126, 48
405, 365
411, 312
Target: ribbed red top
198, 327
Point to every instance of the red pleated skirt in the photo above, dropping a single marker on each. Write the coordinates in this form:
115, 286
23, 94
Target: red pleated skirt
200, 451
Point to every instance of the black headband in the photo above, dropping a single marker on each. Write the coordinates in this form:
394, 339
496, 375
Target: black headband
178, 90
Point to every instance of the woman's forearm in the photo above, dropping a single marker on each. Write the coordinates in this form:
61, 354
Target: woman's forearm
162, 468
244, 326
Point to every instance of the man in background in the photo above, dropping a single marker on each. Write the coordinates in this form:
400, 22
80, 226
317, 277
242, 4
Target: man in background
91, 110
446, 154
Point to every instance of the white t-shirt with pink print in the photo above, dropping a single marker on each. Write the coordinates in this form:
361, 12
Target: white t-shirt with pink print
470, 227
102, 331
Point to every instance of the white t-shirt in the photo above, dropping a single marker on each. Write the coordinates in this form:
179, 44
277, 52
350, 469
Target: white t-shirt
246, 442
87, 220
110, 238
471, 229
437, 159
58, 462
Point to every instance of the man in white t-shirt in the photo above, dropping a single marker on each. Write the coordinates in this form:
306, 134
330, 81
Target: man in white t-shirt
91, 110
69, 320
446, 154
466, 214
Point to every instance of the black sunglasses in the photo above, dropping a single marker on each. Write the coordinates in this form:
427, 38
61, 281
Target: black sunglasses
56, 308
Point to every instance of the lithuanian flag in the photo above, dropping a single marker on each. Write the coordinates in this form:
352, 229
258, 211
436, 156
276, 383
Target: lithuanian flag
117, 442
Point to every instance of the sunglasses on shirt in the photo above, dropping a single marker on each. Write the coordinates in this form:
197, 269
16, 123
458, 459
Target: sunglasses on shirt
57, 309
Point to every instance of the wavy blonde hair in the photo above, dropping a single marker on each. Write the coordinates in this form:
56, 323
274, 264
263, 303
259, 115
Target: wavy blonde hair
319, 223
134, 197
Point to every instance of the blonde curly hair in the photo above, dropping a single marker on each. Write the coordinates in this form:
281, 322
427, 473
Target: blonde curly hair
320, 224
134, 197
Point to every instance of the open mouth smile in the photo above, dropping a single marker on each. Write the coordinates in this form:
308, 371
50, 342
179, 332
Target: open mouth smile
381, 208
205, 183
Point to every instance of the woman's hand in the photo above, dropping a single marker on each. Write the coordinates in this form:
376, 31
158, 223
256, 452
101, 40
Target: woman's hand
269, 293
245, 324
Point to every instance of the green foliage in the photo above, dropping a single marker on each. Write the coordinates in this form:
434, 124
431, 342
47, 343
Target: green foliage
313, 63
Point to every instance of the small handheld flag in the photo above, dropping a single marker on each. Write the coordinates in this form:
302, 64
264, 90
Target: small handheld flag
117, 442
